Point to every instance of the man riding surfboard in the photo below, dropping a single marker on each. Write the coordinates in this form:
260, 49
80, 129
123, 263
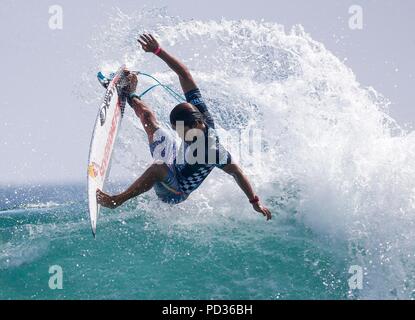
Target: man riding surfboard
177, 171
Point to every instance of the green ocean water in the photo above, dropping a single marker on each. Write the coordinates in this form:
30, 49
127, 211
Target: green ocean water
135, 257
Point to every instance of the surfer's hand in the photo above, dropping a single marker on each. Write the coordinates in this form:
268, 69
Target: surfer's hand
106, 200
148, 43
259, 208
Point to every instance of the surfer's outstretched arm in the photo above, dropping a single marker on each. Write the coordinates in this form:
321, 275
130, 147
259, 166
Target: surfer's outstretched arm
150, 44
242, 180
155, 173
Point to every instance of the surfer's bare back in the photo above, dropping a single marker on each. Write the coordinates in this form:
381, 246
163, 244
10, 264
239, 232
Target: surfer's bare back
174, 177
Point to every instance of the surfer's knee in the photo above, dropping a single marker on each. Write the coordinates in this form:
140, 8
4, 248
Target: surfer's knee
159, 169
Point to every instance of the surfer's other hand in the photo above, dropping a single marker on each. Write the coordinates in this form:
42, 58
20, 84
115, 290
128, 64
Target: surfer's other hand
148, 43
261, 209
106, 200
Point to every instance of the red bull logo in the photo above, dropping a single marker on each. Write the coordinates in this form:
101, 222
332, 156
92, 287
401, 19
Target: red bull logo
93, 170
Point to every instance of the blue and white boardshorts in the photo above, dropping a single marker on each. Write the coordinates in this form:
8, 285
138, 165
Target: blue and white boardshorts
163, 150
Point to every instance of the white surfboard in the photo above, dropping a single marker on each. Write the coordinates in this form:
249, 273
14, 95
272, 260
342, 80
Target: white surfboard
102, 144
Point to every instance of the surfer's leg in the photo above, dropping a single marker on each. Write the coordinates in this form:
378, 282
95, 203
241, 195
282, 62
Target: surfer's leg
155, 173
147, 117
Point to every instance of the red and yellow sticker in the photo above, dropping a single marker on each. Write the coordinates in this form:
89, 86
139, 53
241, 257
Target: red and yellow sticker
93, 170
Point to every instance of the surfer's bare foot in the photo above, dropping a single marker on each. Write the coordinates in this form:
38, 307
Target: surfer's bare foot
132, 83
107, 201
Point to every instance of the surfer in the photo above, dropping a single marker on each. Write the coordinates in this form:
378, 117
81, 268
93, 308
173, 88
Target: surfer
177, 171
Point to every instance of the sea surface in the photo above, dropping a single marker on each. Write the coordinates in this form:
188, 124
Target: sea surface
138, 256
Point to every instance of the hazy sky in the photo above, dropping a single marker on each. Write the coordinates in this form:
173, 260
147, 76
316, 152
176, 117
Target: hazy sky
45, 130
